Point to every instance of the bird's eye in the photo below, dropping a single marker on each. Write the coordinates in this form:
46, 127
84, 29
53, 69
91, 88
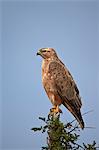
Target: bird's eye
44, 51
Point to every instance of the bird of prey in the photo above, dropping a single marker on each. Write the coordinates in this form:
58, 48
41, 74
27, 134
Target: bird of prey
59, 84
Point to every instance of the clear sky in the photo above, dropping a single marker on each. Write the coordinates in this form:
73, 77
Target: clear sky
71, 27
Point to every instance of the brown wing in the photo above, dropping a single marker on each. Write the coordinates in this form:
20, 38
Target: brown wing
66, 89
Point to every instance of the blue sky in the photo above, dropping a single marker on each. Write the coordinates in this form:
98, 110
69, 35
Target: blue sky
71, 27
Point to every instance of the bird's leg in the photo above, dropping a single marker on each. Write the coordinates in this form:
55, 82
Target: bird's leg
55, 112
53, 109
56, 109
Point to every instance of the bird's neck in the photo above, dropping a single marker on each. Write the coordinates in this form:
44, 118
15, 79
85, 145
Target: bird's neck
45, 63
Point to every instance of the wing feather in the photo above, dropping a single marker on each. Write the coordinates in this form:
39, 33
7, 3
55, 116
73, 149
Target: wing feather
66, 89
64, 83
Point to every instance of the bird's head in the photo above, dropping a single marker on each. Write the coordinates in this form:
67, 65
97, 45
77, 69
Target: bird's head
47, 53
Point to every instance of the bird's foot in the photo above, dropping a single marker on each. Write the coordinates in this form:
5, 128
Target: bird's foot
55, 110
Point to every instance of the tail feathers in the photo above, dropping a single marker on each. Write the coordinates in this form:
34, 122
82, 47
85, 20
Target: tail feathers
76, 113
82, 125
79, 118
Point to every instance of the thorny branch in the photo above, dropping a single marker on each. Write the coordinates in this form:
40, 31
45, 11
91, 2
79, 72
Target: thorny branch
62, 137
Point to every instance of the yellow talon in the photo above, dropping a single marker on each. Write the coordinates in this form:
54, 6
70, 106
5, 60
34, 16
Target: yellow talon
55, 109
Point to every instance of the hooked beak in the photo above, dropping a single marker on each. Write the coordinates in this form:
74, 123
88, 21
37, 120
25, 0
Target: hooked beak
38, 53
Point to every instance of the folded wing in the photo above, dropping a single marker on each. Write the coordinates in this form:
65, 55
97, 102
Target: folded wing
66, 89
